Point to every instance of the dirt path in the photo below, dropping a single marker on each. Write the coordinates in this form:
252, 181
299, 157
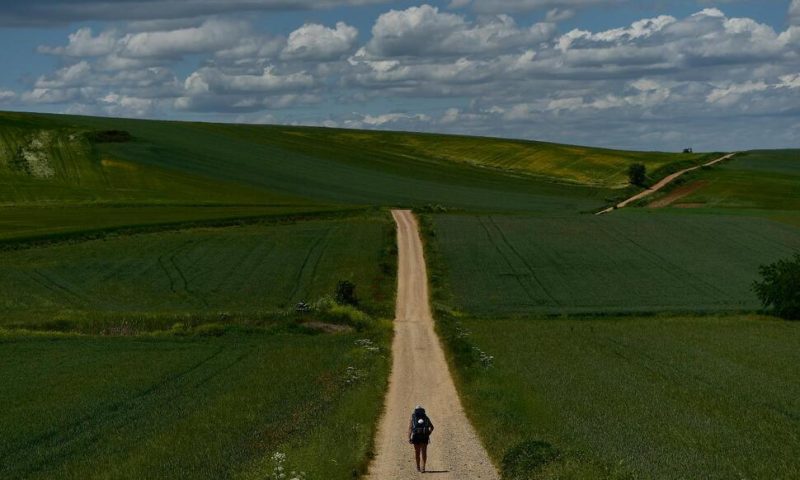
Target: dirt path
663, 183
420, 375
678, 194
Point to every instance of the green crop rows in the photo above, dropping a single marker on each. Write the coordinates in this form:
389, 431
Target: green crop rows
202, 368
255, 268
616, 263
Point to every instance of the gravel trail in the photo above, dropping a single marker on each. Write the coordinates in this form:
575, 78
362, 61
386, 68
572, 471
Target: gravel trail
420, 375
663, 183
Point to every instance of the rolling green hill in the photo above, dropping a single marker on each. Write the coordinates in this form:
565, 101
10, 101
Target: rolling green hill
49, 158
149, 273
760, 180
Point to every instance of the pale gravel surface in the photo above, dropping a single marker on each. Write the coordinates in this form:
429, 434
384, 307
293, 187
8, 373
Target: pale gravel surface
420, 375
663, 183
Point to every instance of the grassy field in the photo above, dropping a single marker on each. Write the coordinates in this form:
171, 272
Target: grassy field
55, 163
47, 158
251, 268
554, 162
666, 398
147, 292
625, 262
194, 407
181, 355
579, 397
757, 180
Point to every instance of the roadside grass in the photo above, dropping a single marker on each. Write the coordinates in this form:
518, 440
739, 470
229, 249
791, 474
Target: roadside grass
627, 262
148, 280
189, 407
655, 397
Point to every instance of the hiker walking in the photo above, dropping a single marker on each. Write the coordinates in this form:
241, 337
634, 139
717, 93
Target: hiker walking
419, 435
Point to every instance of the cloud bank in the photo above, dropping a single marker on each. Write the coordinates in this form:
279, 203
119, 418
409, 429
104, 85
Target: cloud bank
704, 79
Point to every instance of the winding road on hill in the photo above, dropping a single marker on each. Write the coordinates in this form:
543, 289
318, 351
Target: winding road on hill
420, 375
663, 183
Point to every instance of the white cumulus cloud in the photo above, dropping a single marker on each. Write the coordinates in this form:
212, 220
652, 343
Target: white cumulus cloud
211, 35
317, 42
424, 30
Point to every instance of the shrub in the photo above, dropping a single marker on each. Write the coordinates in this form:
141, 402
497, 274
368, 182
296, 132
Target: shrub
346, 315
779, 288
346, 293
637, 174
210, 330
324, 304
522, 461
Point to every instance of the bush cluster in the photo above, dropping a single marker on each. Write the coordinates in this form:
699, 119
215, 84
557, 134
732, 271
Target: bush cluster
779, 288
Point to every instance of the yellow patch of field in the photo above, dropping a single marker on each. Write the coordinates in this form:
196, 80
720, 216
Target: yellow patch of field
111, 163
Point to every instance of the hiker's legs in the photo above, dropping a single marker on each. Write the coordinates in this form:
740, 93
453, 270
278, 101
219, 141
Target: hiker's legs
417, 448
424, 455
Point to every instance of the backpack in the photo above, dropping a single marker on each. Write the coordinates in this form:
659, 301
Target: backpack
420, 428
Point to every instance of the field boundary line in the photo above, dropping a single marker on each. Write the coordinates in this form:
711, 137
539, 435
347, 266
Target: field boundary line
89, 234
663, 183
514, 273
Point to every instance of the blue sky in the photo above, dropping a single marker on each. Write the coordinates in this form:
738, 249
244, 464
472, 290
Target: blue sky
659, 74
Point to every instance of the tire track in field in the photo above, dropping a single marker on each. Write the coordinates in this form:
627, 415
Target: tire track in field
123, 412
321, 241
166, 272
524, 262
671, 374
233, 269
531, 297
47, 282
664, 264
173, 260
169, 265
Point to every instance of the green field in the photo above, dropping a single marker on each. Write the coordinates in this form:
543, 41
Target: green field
194, 407
252, 269
38, 224
148, 289
665, 398
625, 262
179, 357
277, 165
558, 393
757, 180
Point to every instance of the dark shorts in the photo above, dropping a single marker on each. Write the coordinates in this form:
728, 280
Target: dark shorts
418, 439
